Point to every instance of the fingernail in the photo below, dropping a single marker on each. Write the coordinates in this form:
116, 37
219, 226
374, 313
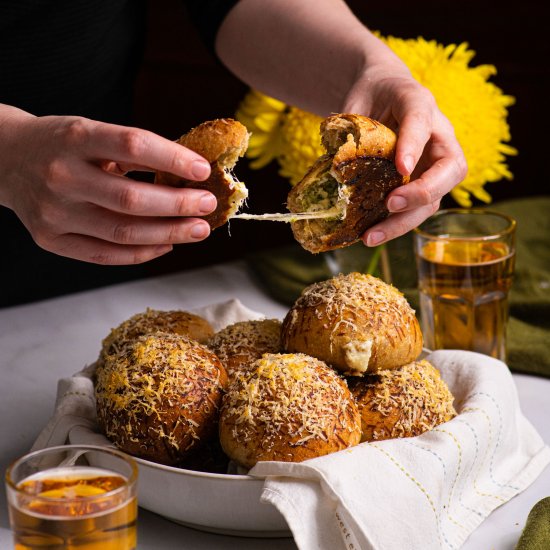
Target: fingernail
397, 203
199, 231
375, 238
163, 248
207, 204
408, 162
200, 169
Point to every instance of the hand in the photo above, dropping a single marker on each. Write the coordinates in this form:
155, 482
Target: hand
64, 178
426, 149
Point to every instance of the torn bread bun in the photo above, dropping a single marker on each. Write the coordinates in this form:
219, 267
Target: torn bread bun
221, 142
353, 178
403, 402
287, 407
356, 323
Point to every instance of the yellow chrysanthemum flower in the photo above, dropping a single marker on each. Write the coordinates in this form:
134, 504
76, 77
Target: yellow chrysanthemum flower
476, 108
263, 116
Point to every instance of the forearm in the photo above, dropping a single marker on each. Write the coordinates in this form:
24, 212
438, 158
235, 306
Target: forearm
10, 119
306, 53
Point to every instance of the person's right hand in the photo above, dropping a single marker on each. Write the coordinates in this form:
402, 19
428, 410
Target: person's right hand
64, 178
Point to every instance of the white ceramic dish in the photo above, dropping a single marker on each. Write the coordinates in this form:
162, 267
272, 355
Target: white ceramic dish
218, 503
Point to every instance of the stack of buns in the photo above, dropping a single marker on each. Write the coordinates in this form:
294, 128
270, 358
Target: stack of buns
342, 368
366, 329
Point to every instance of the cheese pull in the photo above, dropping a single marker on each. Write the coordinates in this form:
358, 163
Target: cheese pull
335, 212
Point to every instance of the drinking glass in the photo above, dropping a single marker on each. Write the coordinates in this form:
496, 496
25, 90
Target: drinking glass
465, 262
81, 497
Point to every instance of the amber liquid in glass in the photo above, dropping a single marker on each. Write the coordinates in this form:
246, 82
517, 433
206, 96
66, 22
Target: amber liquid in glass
464, 295
54, 512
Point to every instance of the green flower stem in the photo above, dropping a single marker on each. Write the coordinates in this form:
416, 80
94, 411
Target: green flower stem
380, 261
374, 259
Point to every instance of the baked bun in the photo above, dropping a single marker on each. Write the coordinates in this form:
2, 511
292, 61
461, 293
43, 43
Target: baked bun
356, 323
159, 397
355, 175
287, 407
153, 320
403, 402
238, 345
221, 142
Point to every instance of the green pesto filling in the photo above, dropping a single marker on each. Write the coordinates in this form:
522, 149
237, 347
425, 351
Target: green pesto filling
321, 196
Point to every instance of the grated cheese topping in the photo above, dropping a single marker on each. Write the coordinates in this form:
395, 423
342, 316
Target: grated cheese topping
152, 391
358, 305
238, 345
290, 396
403, 402
153, 320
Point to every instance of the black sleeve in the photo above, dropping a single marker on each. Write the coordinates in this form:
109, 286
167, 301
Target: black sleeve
207, 16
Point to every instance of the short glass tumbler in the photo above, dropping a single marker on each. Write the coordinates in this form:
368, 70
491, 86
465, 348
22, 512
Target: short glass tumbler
465, 261
80, 497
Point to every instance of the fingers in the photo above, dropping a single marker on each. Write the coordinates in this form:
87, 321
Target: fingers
124, 195
414, 132
430, 187
90, 249
132, 146
131, 230
398, 224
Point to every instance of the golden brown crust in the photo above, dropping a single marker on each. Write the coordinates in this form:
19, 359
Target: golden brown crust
240, 344
219, 184
356, 323
287, 407
221, 142
154, 320
159, 397
404, 402
367, 180
359, 159
348, 136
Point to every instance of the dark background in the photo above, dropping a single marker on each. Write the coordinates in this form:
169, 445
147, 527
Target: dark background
182, 84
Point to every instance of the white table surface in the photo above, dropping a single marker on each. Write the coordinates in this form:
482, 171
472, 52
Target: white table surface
45, 341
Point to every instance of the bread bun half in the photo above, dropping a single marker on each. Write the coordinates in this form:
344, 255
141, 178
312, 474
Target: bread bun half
355, 175
159, 397
287, 407
403, 402
356, 323
221, 142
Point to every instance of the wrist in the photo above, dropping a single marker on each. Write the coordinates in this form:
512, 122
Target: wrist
12, 115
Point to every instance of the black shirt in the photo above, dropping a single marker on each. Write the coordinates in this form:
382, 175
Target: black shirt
72, 57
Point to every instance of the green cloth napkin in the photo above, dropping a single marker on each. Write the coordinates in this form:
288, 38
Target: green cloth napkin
286, 271
536, 533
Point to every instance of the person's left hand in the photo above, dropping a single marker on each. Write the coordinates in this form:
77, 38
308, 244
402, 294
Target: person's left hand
427, 148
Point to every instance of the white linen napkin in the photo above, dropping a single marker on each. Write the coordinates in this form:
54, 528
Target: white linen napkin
427, 492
